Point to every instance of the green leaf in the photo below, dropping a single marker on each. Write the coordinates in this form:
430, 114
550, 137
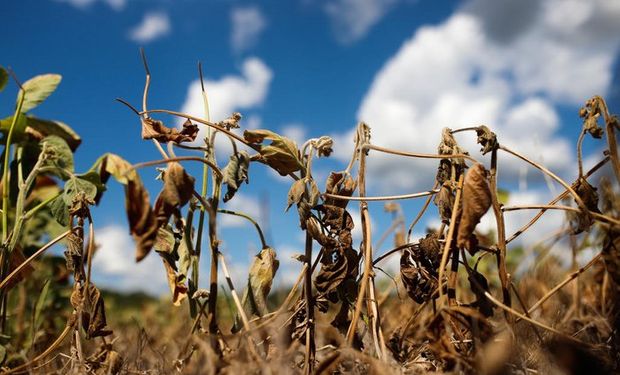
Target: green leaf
37, 89
60, 211
94, 178
39, 307
58, 156
4, 78
75, 186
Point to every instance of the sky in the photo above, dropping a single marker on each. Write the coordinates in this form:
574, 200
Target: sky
307, 68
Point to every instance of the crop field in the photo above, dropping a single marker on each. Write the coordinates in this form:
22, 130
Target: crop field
455, 305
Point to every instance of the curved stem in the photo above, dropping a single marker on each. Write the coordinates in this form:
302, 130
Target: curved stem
420, 214
18, 269
170, 160
580, 151
249, 218
381, 198
595, 215
446, 248
417, 154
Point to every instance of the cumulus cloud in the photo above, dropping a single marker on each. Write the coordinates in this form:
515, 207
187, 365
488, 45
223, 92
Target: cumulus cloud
248, 23
114, 264
353, 19
83, 4
457, 74
153, 26
229, 94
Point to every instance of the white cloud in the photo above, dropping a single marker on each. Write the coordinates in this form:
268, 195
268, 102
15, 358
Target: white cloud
83, 4
153, 26
353, 19
229, 94
455, 74
247, 25
296, 132
115, 266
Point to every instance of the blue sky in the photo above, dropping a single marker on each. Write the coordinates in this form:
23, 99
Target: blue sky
308, 68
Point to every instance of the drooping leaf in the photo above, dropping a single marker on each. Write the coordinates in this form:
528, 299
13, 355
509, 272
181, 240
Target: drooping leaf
60, 211
476, 202
176, 282
339, 183
235, 173
295, 193
76, 186
281, 154
40, 128
155, 129
177, 191
4, 78
93, 314
262, 272
57, 156
487, 139
37, 89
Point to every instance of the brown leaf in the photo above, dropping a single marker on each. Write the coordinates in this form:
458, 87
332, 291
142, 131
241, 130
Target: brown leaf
142, 221
476, 202
235, 173
155, 129
178, 190
337, 266
444, 200
487, 139
176, 283
339, 183
295, 193
93, 314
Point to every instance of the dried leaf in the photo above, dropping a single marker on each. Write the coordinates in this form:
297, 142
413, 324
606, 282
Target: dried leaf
487, 139
339, 183
323, 145
336, 266
296, 192
476, 202
155, 129
176, 283
235, 173
178, 190
444, 200
479, 285
281, 154
231, 122
93, 314
262, 272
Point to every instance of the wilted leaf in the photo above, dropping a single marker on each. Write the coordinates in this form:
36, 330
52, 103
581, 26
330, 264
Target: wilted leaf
75, 186
281, 154
339, 183
155, 129
37, 89
176, 283
296, 192
39, 128
336, 266
177, 191
444, 200
479, 285
235, 173
93, 317
323, 146
476, 202
57, 156
487, 139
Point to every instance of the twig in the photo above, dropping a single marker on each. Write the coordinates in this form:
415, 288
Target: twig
567, 280
216, 170
18, 269
446, 248
421, 213
249, 218
417, 154
381, 198
595, 215
555, 200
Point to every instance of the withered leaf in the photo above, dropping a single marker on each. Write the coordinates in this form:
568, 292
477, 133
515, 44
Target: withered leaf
178, 190
176, 282
93, 314
444, 200
323, 146
281, 154
487, 139
235, 173
339, 183
296, 192
262, 272
337, 265
476, 202
231, 122
479, 285
578, 221
155, 129
419, 280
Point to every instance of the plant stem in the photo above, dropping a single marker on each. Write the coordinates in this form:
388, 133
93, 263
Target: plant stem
451, 228
382, 198
595, 215
249, 218
216, 170
310, 344
417, 154
504, 277
421, 213
5, 169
